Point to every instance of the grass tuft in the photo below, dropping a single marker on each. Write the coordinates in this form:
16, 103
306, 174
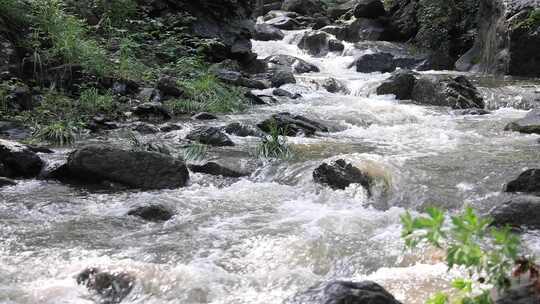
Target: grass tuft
274, 145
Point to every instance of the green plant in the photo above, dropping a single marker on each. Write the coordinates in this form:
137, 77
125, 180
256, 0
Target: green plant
274, 145
60, 133
129, 67
209, 94
138, 144
117, 12
194, 151
489, 254
91, 102
68, 36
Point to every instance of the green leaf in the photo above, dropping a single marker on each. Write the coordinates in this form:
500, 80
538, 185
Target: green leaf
438, 298
463, 285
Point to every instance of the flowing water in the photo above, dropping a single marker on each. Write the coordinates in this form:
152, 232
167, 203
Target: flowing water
262, 238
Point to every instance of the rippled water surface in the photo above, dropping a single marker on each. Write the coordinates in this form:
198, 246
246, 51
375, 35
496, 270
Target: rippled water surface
260, 239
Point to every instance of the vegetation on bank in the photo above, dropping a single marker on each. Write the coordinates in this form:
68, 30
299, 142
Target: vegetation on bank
492, 257
77, 50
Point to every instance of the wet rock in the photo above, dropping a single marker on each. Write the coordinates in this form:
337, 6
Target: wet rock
169, 127
303, 7
455, 92
343, 292
144, 128
210, 136
149, 95
333, 85
521, 211
320, 22
284, 93
14, 130
213, 168
238, 79
279, 77
19, 97
401, 84
284, 23
242, 130
472, 111
112, 288
292, 125
366, 29
18, 160
522, 291
530, 124
315, 43
152, 213
254, 98
526, 182
378, 62
340, 174
279, 13
339, 9
204, 116
340, 31
297, 65
335, 45
267, 32
4, 181
169, 86
124, 87
133, 169
369, 9
101, 123
152, 111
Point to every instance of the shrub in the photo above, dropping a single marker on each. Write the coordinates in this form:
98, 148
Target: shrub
209, 94
60, 133
91, 102
274, 145
117, 12
489, 254
68, 37
129, 67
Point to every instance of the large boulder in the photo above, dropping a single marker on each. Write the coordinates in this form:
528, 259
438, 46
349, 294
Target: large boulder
303, 7
521, 211
529, 124
19, 160
133, 169
284, 23
238, 79
367, 29
210, 136
169, 86
152, 111
455, 92
279, 77
526, 182
343, 292
111, 288
296, 64
340, 175
400, 84
6, 182
341, 8
241, 130
508, 39
369, 9
292, 125
315, 43
377, 62
267, 32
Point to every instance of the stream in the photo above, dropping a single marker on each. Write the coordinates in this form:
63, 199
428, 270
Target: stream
263, 238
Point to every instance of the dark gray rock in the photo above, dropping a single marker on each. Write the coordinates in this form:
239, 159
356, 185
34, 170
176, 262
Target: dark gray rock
333, 85
210, 136
267, 32
284, 23
4, 181
526, 182
340, 174
279, 77
111, 288
169, 86
401, 84
204, 116
292, 125
133, 169
101, 123
378, 62
213, 168
238, 79
242, 130
149, 95
169, 127
340, 31
366, 29
530, 124
152, 213
472, 111
152, 111
284, 93
335, 45
369, 9
14, 130
522, 291
315, 43
455, 92
256, 99
343, 292
338, 10
521, 211
297, 65
19, 160
144, 128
